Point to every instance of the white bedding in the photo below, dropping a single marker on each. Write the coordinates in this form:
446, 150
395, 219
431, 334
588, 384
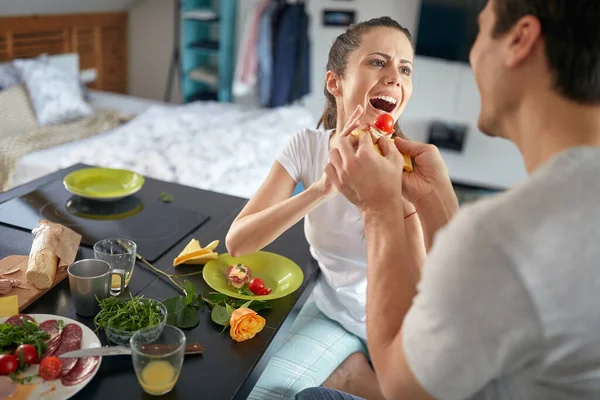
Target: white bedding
214, 146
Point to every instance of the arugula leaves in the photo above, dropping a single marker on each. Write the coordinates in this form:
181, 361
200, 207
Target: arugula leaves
11, 336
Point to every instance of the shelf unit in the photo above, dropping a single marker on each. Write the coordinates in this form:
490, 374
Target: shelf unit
207, 49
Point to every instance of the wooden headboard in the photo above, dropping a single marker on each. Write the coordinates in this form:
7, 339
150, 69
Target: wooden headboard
100, 39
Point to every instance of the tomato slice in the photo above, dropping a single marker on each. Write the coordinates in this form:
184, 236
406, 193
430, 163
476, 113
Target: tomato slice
264, 291
385, 123
51, 368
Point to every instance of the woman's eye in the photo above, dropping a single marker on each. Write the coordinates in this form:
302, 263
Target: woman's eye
378, 63
406, 71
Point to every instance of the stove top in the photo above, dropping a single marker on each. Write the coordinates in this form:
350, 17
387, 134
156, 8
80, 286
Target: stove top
154, 226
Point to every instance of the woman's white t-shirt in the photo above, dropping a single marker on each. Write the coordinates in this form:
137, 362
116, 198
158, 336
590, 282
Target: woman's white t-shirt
335, 234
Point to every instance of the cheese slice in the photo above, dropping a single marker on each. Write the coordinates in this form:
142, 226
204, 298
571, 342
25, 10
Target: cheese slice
194, 251
201, 259
375, 135
9, 306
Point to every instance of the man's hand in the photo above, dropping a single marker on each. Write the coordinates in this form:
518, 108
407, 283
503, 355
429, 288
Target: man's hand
428, 187
367, 179
429, 175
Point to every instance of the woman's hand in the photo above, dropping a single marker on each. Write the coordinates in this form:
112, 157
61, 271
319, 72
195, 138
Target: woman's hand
325, 187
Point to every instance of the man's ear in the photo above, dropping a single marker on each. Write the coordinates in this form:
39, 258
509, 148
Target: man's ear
332, 82
522, 40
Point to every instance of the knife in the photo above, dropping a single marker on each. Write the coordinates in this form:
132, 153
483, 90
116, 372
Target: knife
154, 349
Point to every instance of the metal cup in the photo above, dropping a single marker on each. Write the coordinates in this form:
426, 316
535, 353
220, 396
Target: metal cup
91, 279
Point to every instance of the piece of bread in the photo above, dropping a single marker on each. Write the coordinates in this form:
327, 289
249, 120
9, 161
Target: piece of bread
43, 261
357, 133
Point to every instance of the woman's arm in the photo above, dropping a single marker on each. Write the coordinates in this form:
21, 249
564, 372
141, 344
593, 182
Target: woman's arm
272, 211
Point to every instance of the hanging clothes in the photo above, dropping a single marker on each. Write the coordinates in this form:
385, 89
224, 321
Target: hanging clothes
301, 82
291, 57
246, 70
265, 54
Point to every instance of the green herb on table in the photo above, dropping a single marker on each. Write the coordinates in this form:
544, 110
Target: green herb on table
223, 306
166, 197
128, 315
182, 311
12, 336
214, 298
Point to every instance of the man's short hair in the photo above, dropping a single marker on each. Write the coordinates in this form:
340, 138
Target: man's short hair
571, 30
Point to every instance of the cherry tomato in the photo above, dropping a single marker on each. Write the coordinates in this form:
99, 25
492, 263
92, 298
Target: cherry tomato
385, 123
29, 353
50, 368
264, 291
8, 364
256, 285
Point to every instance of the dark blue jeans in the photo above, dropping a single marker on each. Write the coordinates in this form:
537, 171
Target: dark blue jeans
324, 394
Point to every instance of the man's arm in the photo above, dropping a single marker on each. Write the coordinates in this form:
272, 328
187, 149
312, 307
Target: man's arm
390, 291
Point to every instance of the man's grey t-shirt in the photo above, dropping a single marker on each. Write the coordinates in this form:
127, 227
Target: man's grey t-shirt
509, 301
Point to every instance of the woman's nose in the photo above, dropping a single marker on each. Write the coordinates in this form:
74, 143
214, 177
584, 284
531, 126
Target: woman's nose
393, 78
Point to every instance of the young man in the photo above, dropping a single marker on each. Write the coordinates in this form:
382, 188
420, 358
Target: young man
507, 302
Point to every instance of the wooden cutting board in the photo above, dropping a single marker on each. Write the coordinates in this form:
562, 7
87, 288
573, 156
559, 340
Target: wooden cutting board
31, 293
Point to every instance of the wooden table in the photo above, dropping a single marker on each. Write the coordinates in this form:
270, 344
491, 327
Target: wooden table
227, 370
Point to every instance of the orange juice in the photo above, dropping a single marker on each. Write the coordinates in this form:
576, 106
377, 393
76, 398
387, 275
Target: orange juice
158, 377
116, 281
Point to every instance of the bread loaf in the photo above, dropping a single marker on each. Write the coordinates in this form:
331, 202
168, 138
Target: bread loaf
43, 261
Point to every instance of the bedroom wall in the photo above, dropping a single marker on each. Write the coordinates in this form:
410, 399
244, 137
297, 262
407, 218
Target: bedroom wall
150, 46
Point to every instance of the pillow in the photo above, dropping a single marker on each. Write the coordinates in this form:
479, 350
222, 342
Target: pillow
9, 76
55, 95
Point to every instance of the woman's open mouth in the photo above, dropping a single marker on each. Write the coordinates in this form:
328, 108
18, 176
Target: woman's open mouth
383, 103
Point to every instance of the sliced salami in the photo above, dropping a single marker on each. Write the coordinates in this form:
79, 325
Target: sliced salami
70, 340
16, 319
52, 343
84, 367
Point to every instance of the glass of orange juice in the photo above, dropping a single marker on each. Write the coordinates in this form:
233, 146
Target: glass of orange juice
157, 358
120, 254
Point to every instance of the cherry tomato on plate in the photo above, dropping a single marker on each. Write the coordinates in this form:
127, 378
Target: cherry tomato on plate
256, 285
29, 353
8, 364
51, 368
385, 123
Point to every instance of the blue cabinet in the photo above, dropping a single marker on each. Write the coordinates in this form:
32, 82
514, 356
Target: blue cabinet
207, 49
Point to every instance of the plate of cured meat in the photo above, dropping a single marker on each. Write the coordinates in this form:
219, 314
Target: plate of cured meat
40, 373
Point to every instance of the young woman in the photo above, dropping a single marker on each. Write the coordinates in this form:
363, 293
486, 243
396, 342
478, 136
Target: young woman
368, 73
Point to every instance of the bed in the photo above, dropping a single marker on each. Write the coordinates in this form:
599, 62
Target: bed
214, 146
221, 147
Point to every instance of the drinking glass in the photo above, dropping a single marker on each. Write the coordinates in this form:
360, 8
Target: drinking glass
120, 255
157, 358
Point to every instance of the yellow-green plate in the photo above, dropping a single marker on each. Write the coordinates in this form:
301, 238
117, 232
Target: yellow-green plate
279, 273
103, 183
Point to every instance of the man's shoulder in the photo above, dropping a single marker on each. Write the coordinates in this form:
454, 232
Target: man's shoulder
562, 187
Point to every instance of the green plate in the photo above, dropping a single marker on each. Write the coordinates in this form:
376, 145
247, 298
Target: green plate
281, 274
103, 183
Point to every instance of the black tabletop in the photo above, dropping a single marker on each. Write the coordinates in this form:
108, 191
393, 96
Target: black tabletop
227, 370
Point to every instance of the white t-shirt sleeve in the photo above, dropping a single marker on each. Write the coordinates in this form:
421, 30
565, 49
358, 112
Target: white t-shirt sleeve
472, 319
293, 157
